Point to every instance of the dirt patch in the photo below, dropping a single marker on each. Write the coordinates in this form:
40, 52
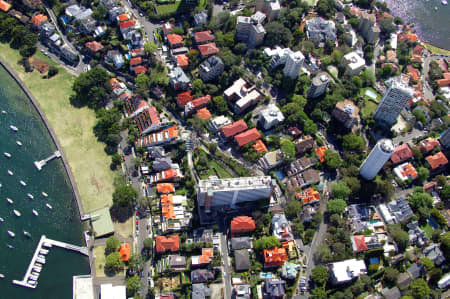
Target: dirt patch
166, 284
40, 65
95, 183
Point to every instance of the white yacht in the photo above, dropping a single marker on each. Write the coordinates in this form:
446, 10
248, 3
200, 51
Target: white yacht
7, 154
43, 251
9, 200
32, 282
11, 234
10, 246
19, 143
10, 172
48, 206
17, 213
2, 275
4, 112
14, 128
37, 269
30, 196
444, 2
23, 183
1, 219
33, 277
26, 234
35, 212
44, 194
41, 256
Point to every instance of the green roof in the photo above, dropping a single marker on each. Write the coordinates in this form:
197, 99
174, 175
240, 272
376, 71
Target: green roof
102, 222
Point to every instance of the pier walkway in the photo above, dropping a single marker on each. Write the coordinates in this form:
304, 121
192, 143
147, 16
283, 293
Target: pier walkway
35, 260
42, 163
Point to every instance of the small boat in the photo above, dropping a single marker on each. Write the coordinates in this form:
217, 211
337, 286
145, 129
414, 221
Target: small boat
40, 261
19, 143
7, 154
41, 256
22, 183
32, 282
26, 234
4, 112
10, 246
436, 8
14, 128
17, 213
1, 219
48, 206
2, 275
10, 172
48, 245
43, 251
33, 277
11, 234
35, 273
444, 2
30, 196
37, 269
44, 194
9, 200
35, 212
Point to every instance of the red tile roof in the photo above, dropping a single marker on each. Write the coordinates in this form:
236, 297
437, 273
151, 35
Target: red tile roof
203, 36
124, 252
140, 69
5, 6
184, 98
308, 196
135, 61
443, 82
429, 143
137, 52
174, 39
123, 17
204, 113
418, 50
182, 60
201, 101
165, 188
242, 224
359, 243
437, 160
147, 118
320, 152
128, 24
94, 46
275, 256
208, 49
38, 19
170, 243
234, 128
247, 137
260, 147
402, 153
167, 28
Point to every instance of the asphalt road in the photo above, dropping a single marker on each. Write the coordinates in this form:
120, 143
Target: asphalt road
226, 275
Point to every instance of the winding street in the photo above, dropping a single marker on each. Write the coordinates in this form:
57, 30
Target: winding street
427, 92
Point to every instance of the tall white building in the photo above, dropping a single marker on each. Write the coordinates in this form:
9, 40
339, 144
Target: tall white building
319, 85
250, 30
271, 8
379, 155
393, 102
353, 63
293, 64
229, 192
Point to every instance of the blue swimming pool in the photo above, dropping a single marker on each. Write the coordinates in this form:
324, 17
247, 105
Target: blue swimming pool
279, 174
371, 94
374, 260
432, 222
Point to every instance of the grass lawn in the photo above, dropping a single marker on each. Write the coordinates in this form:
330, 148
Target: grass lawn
369, 107
125, 229
363, 93
202, 4
436, 50
73, 127
428, 229
166, 9
221, 172
99, 253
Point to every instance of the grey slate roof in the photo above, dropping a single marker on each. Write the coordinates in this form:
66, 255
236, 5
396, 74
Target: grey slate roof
200, 291
241, 260
417, 270
241, 243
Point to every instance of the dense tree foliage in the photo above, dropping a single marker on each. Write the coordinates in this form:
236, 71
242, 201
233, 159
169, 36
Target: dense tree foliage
124, 196
92, 87
266, 242
320, 275
336, 206
341, 190
277, 34
113, 262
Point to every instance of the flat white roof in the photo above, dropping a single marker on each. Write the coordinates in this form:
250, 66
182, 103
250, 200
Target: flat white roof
348, 269
108, 291
82, 287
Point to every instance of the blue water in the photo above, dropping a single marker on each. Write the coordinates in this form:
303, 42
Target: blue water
62, 223
374, 221
374, 260
433, 222
371, 94
279, 174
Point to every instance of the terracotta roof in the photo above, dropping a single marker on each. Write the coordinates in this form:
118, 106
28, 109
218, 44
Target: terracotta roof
429, 143
135, 61
170, 243
165, 188
234, 128
167, 209
247, 137
355, 11
125, 96
203, 36
437, 160
123, 17
201, 101
359, 243
418, 50
443, 82
182, 60
146, 118
135, 103
407, 170
413, 73
167, 28
174, 39
320, 152
402, 153
204, 113
113, 81
207, 254
208, 49
242, 224
260, 147
5, 6
275, 256
128, 24
38, 19
294, 132
412, 37
137, 52
94, 46
124, 251
308, 196
140, 69
184, 98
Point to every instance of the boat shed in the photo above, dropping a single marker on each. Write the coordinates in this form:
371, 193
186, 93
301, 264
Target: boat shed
102, 222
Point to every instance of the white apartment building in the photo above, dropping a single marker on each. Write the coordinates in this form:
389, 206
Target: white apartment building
250, 31
270, 117
319, 85
292, 61
218, 122
394, 100
353, 63
345, 271
271, 8
379, 155
229, 192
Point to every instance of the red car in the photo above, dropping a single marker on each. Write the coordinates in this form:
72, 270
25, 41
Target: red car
137, 222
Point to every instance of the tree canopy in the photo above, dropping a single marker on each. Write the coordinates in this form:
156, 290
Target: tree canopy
320, 275
332, 159
113, 262
353, 142
336, 206
400, 237
288, 149
112, 244
341, 190
92, 87
419, 288
293, 208
124, 196
277, 34
266, 242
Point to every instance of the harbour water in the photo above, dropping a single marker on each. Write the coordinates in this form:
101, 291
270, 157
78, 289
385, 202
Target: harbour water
61, 223
432, 26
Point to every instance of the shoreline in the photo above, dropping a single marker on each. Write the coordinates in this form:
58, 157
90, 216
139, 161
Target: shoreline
36, 105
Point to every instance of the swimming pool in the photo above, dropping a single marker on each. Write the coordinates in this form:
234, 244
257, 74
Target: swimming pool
266, 275
279, 174
371, 94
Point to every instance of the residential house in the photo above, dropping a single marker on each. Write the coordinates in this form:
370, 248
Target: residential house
196, 104
271, 8
94, 46
434, 253
229, 131
392, 293
274, 288
200, 291
4, 6
241, 260
201, 18
304, 144
140, 69
405, 172
116, 58
320, 152
247, 137
243, 291
165, 188
165, 136
127, 26
184, 97
218, 122
170, 243
148, 121
167, 28
160, 164
172, 174
270, 117
18, 15
242, 225
241, 243
281, 228
271, 159
33, 4
114, 11
135, 62
204, 259
211, 68
416, 270
416, 235
290, 270
353, 64
203, 113
403, 280
68, 54
318, 30
175, 40
242, 95
308, 196
347, 113
38, 20
304, 179
346, 271
203, 37
401, 153
397, 211
274, 257
135, 105
178, 79
438, 162
260, 147
202, 275
204, 235
207, 50
363, 242
124, 251
427, 145
299, 165
182, 61
135, 38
